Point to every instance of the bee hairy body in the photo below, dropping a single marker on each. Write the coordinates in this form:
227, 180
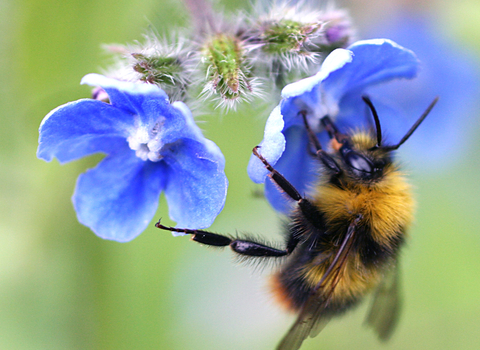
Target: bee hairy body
385, 206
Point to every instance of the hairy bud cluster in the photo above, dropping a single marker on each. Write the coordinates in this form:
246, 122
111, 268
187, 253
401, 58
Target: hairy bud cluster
228, 62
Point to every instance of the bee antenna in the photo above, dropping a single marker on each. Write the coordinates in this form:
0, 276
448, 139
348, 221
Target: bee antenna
414, 127
377, 120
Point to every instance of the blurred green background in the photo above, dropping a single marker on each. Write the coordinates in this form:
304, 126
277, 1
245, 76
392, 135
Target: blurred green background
61, 287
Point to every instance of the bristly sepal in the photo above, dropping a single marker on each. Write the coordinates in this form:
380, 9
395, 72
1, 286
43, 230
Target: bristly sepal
158, 69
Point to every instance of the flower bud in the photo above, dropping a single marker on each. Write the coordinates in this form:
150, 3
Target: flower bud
287, 37
337, 32
227, 71
156, 62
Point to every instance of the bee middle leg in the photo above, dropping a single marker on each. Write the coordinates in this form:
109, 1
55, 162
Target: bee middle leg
240, 246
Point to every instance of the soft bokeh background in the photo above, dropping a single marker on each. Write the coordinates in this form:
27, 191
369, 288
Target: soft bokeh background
61, 287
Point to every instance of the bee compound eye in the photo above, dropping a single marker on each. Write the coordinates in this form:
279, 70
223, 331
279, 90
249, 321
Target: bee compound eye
358, 163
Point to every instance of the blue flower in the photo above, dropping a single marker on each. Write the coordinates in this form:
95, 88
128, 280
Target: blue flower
151, 146
336, 91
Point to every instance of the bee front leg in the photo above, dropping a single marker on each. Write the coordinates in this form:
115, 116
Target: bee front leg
278, 178
327, 160
307, 208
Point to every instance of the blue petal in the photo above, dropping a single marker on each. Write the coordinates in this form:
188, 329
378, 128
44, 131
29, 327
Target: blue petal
334, 61
197, 185
80, 128
180, 124
141, 99
391, 61
119, 197
296, 165
305, 95
363, 64
375, 61
149, 105
271, 148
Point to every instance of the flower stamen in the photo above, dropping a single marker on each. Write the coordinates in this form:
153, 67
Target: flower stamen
146, 143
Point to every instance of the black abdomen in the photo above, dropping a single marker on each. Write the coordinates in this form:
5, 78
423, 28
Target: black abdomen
294, 284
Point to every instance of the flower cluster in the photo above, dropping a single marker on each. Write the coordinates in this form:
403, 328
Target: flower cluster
154, 146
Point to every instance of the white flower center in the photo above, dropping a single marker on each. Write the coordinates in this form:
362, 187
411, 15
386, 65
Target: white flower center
146, 141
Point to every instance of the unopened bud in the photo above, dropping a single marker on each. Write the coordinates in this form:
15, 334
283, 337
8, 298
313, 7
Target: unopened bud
227, 71
337, 32
156, 62
158, 69
287, 36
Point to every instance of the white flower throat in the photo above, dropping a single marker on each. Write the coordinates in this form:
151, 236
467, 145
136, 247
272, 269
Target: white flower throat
147, 142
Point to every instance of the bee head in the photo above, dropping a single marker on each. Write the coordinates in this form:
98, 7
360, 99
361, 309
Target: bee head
356, 153
363, 156
365, 165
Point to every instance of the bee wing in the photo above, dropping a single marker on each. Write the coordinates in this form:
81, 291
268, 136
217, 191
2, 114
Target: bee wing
311, 319
386, 305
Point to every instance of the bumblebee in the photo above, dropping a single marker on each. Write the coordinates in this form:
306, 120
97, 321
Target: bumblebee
344, 241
